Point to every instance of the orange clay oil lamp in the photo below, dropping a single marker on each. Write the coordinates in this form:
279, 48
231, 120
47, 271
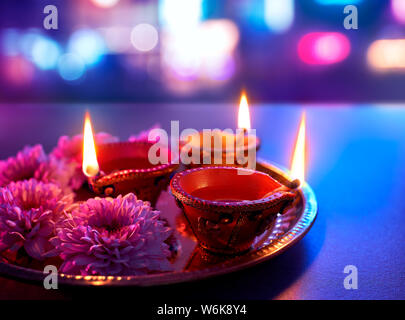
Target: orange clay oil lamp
123, 167
224, 147
227, 207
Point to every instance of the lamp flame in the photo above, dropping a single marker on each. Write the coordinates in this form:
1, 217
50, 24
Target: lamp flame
90, 165
298, 159
243, 115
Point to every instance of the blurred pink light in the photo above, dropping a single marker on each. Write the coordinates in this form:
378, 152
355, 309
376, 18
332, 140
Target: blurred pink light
105, 3
222, 69
323, 48
398, 10
18, 70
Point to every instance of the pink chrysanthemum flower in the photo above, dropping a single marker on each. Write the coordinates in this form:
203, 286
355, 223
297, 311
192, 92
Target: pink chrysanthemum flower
22, 166
58, 172
32, 162
28, 213
143, 135
113, 236
69, 150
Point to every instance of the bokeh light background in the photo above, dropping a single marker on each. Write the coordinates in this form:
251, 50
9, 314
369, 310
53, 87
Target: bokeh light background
202, 50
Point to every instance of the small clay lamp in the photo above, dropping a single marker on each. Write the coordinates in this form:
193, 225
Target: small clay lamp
123, 167
219, 147
228, 207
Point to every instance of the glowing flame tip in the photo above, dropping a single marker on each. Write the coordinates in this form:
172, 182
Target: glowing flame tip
298, 159
244, 115
90, 165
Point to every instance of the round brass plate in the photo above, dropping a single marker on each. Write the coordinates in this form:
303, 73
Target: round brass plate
191, 262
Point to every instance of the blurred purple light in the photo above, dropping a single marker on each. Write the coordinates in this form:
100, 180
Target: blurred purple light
398, 10
9, 42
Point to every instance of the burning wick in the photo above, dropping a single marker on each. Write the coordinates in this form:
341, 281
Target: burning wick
298, 159
90, 165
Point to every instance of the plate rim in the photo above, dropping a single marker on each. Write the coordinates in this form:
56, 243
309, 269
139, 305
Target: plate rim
294, 235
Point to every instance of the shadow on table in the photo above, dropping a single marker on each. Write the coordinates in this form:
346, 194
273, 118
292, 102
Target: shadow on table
262, 282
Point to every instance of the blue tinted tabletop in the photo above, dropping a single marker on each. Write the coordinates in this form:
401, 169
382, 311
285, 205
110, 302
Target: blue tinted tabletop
355, 166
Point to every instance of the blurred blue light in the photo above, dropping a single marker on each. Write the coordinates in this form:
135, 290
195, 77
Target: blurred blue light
45, 53
338, 2
71, 67
27, 42
9, 42
88, 44
253, 12
279, 14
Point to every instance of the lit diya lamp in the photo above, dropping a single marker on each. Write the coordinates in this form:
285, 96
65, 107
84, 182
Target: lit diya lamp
124, 167
226, 210
224, 147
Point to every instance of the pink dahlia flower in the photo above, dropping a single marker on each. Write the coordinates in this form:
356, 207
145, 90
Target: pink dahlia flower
28, 213
32, 162
113, 236
70, 150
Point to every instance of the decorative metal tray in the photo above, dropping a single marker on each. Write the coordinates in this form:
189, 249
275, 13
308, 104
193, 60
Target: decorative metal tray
190, 262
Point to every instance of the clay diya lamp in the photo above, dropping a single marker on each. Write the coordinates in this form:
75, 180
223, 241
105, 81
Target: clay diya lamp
124, 167
220, 148
226, 210
225, 148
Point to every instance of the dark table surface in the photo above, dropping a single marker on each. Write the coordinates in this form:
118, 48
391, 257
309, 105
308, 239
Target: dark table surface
356, 168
